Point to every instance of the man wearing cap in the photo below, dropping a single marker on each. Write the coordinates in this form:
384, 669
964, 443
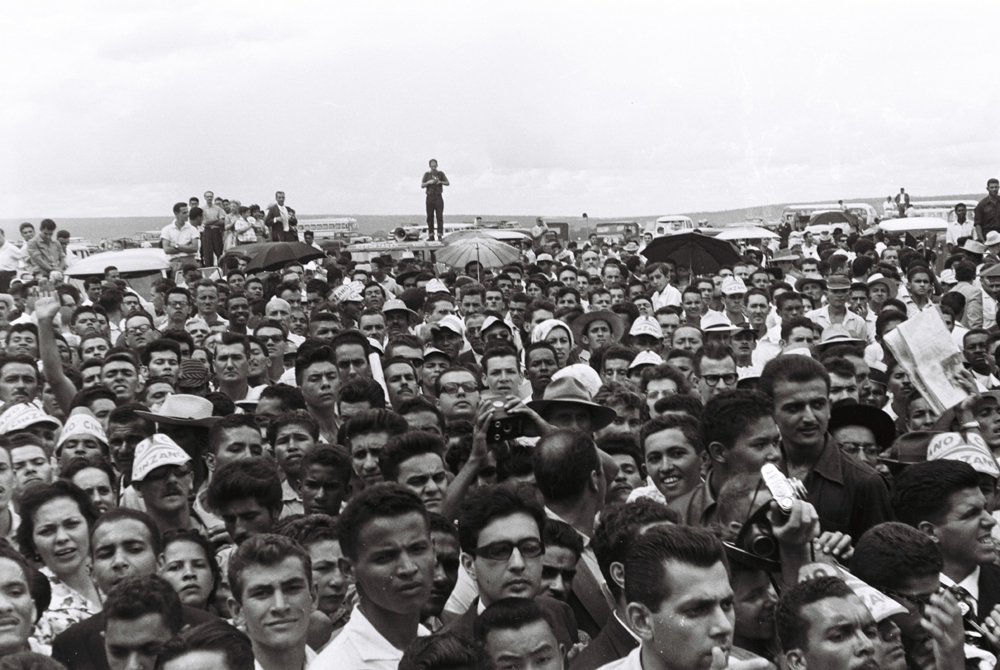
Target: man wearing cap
162, 475
186, 420
81, 437
733, 292
836, 312
448, 335
398, 317
787, 261
646, 334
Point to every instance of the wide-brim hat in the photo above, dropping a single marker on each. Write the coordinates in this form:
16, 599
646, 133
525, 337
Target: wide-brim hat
717, 322
890, 284
974, 247
567, 390
182, 409
785, 255
396, 305
878, 422
809, 279
909, 448
403, 276
614, 322
835, 334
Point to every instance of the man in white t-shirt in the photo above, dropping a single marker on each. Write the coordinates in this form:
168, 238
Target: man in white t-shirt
179, 238
10, 256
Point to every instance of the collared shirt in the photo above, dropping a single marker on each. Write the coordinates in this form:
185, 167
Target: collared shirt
212, 214
182, 236
291, 501
911, 307
854, 324
310, 657
987, 214
360, 647
697, 506
970, 584
589, 559
10, 255
45, 256
849, 497
668, 296
956, 230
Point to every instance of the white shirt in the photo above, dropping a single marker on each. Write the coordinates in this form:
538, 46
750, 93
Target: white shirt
10, 254
182, 236
970, 584
310, 657
631, 662
956, 230
360, 647
668, 296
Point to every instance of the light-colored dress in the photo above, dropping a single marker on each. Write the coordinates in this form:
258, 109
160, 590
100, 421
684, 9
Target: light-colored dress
66, 608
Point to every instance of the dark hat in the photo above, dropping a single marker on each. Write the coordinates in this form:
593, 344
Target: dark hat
909, 448
567, 390
872, 418
193, 374
811, 279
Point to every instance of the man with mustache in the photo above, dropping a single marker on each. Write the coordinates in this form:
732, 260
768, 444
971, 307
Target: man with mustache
162, 475
848, 496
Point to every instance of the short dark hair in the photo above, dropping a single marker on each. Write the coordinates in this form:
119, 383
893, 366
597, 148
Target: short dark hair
444, 651
196, 537
350, 337
626, 444
161, 344
561, 534
361, 390
382, 500
36, 496
619, 526
421, 404
485, 504
233, 644
246, 478
215, 433
499, 350
792, 627
125, 513
85, 397
267, 550
562, 472
310, 356
791, 368
667, 371
373, 421
134, 597
307, 530
728, 414
509, 614
401, 448
888, 555
290, 396
921, 491
295, 417
331, 456
682, 422
677, 402
646, 575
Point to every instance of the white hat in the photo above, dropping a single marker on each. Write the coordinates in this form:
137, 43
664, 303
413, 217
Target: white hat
22, 415
183, 409
436, 286
582, 373
543, 257
645, 357
82, 424
948, 277
345, 293
646, 325
492, 321
733, 285
155, 452
451, 322
717, 322
992, 238
970, 449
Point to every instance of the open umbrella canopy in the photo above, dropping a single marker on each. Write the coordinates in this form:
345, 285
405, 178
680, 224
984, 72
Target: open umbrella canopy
489, 252
703, 254
273, 255
502, 234
829, 217
913, 225
745, 232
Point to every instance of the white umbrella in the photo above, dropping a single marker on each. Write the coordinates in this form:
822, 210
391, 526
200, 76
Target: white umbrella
913, 224
744, 232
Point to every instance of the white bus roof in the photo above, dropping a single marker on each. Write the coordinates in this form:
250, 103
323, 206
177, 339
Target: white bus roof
673, 217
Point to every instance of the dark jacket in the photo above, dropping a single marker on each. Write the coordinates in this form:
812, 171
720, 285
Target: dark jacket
989, 590
614, 642
558, 612
81, 646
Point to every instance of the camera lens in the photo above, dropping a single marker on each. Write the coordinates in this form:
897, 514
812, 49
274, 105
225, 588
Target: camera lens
498, 404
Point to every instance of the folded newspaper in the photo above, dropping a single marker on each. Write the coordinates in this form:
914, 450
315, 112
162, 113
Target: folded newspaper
924, 348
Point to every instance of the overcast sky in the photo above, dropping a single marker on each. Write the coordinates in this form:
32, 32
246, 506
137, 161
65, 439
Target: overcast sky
611, 108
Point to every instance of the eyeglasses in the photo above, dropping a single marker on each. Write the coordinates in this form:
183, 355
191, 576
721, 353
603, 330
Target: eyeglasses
161, 473
271, 338
853, 448
921, 601
138, 330
501, 551
713, 380
452, 388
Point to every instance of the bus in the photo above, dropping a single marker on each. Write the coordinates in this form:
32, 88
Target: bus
338, 228
797, 216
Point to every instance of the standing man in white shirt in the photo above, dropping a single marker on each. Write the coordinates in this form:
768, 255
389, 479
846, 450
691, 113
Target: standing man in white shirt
179, 238
659, 276
959, 228
213, 223
386, 540
10, 255
273, 592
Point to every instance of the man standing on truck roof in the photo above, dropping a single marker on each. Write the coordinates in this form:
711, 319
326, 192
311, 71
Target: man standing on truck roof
988, 210
434, 181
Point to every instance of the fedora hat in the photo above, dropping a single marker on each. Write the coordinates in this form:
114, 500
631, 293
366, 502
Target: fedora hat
879, 278
396, 305
810, 279
614, 322
182, 409
872, 418
567, 390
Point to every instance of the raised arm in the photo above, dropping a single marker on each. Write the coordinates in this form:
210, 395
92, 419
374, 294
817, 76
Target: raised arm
46, 308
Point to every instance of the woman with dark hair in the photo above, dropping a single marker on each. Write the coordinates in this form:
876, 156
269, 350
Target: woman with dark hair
55, 531
188, 563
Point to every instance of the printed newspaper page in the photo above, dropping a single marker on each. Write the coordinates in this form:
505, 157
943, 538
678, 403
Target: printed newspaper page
923, 346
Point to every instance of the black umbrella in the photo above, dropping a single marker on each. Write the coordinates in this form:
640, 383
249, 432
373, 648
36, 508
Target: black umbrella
831, 218
274, 255
703, 254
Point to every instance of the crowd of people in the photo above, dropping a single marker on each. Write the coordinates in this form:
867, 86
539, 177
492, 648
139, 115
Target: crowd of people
579, 460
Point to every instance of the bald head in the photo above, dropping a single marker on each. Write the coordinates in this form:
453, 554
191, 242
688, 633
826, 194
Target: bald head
567, 467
